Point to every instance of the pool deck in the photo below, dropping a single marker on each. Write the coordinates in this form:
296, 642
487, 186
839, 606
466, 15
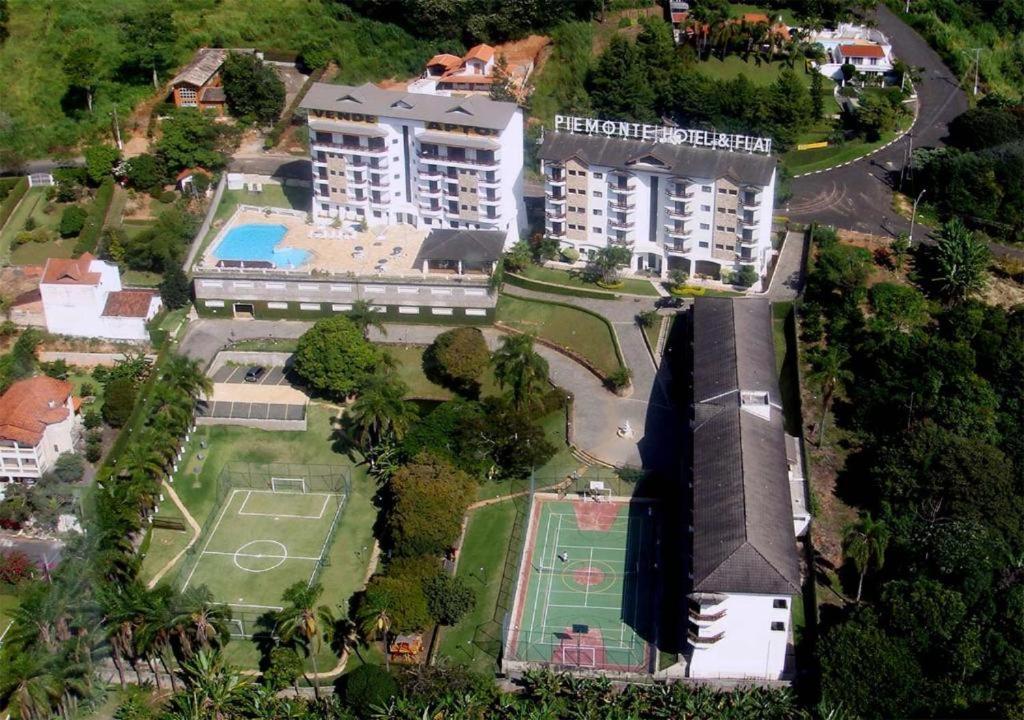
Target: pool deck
382, 250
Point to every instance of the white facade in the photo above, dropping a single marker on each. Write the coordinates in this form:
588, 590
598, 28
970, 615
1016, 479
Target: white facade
670, 219
436, 162
868, 49
84, 298
740, 636
29, 462
37, 420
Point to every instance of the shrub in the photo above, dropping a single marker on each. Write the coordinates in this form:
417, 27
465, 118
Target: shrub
66, 192
91, 419
168, 196
175, 288
145, 171
30, 224
619, 379
625, 22
93, 452
368, 687
72, 220
570, 255
284, 669
58, 369
69, 468
448, 598
647, 318
16, 566
334, 359
87, 389
100, 161
428, 499
404, 595
746, 276
459, 357
118, 401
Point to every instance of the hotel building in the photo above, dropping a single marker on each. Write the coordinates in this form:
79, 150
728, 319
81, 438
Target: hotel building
744, 567
387, 157
675, 206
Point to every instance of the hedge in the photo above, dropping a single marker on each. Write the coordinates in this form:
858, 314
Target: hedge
529, 284
90, 235
13, 198
274, 136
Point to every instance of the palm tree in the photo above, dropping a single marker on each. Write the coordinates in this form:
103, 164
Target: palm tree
365, 317
187, 376
961, 262
306, 623
154, 635
381, 411
864, 543
829, 372
122, 607
374, 618
518, 367
31, 688
198, 617
215, 689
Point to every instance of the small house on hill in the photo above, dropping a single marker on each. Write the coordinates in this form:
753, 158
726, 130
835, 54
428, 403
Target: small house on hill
198, 84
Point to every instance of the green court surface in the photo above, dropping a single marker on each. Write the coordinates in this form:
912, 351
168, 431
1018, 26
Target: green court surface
263, 541
586, 586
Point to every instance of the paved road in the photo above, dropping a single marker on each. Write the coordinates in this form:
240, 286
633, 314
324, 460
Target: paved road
788, 280
858, 196
205, 337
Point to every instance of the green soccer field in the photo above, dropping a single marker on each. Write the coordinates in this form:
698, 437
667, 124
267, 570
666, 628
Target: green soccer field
586, 585
263, 541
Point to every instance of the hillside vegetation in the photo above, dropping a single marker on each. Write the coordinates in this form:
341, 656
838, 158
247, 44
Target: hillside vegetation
41, 113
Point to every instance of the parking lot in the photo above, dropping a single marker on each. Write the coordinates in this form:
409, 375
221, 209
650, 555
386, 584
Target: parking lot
252, 410
235, 374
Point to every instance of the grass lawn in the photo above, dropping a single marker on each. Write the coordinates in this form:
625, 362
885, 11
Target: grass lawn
785, 361
77, 378
409, 360
288, 345
574, 329
631, 286
196, 486
484, 552
34, 206
141, 278
134, 228
805, 161
38, 253
8, 604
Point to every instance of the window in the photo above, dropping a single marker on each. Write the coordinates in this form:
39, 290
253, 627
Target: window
705, 226
474, 292
239, 284
376, 213
598, 176
705, 208
705, 188
779, 626
598, 193
408, 310
274, 285
374, 288
440, 291
720, 228
723, 191
210, 283
341, 288
341, 308
441, 311
277, 306
780, 603
598, 212
309, 306
308, 287
214, 303
597, 230
476, 312
405, 290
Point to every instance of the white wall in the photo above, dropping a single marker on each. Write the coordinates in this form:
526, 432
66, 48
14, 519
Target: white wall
749, 648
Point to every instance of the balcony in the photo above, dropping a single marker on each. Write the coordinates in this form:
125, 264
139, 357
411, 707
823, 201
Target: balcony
429, 209
493, 200
679, 212
429, 191
622, 188
381, 184
555, 232
678, 232
621, 206
748, 220
430, 172
677, 247
446, 160
620, 223
361, 182
747, 240
352, 148
680, 193
483, 182
622, 240
697, 639
379, 202
555, 175
555, 214
698, 616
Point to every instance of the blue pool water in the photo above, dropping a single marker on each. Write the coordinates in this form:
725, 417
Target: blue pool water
259, 242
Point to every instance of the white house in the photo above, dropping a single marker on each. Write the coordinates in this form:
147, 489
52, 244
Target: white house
695, 201
447, 74
867, 49
37, 417
744, 567
389, 157
83, 297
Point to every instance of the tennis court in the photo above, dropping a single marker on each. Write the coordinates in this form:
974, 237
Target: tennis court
585, 596
264, 540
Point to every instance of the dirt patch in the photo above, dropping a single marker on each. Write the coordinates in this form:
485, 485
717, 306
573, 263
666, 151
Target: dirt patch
884, 269
1003, 292
609, 27
139, 207
18, 279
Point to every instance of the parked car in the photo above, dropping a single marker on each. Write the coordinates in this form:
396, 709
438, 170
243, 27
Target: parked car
254, 373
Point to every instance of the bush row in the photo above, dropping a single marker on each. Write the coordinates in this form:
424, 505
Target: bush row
529, 284
15, 195
90, 235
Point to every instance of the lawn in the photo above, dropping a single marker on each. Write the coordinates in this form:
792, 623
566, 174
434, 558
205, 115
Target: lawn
140, 278
35, 205
804, 161
197, 482
78, 377
409, 362
630, 286
586, 334
484, 552
9, 602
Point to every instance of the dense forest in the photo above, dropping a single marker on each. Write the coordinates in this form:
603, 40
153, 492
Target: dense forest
929, 413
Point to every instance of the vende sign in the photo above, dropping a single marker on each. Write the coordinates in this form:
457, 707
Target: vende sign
663, 134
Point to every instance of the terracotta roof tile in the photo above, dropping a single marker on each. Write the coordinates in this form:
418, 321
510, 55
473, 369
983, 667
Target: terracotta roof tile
30, 405
445, 60
864, 50
61, 271
128, 303
481, 52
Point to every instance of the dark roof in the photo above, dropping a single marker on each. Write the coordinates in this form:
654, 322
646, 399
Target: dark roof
743, 540
679, 160
214, 94
469, 246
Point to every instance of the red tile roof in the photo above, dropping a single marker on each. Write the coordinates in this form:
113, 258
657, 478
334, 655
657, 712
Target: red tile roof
445, 60
468, 79
192, 171
128, 303
70, 272
481, 52
860, 50
30, 405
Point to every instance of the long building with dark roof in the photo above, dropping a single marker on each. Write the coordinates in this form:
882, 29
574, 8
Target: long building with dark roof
745, 570
702, 210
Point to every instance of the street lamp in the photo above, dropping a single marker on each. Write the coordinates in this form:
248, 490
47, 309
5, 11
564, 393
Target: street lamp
913, 215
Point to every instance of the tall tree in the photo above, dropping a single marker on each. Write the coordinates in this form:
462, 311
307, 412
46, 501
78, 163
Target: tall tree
365, 317
175, 288
374, 618
381, 411
519, 368
660, 55
335, 359
81, 65
149, 38
864, 544
829, 372
961, 262
304, 622
619, 86
253, 89
503, 87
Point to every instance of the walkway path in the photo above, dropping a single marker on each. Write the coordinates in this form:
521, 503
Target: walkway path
788, 279
196, 530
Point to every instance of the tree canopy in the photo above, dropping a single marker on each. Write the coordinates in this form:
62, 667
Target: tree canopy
252, 88
334, 359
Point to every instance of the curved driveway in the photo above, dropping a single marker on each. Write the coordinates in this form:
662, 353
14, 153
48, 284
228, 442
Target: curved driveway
858, 196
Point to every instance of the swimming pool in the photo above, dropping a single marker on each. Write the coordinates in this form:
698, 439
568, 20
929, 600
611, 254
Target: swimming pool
258, 241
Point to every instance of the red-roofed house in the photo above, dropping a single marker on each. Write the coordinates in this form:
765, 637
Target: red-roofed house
449, 74
37, 417
83, 297
867, 49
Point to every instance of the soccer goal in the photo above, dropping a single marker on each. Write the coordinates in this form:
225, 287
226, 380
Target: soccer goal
288, 485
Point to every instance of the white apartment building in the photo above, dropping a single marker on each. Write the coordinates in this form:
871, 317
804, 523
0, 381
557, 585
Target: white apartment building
675, 205
83, 297
744, 568
387, 156
37, 416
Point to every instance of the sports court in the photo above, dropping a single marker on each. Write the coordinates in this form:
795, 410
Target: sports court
585, 595
264, 538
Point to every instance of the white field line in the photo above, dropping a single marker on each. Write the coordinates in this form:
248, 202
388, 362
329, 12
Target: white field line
551, 579
590, 569
540, 578
213, 532
330, 531
320, 516
258, 555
